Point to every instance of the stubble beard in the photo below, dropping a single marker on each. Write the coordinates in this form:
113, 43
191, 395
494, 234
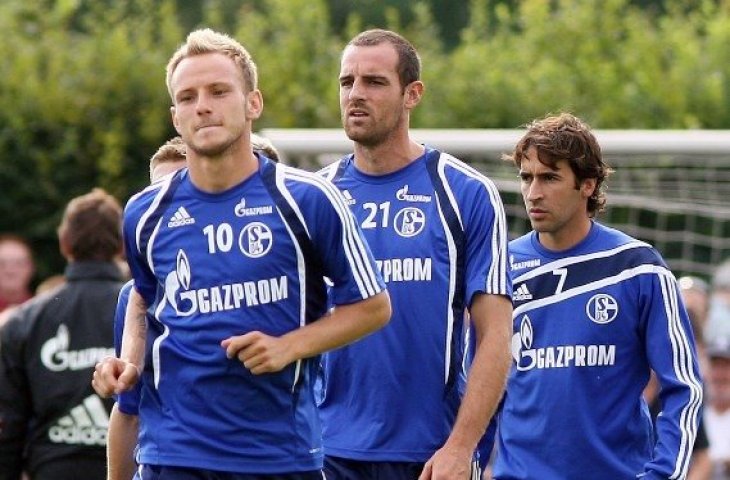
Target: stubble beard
215, 149
370, 135
367, 138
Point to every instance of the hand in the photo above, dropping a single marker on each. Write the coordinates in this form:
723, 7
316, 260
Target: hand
114, 375
448, 463
260, 353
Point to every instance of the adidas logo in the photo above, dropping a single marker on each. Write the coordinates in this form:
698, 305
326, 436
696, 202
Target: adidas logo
181, 217
86, 424
522, 293
348, 197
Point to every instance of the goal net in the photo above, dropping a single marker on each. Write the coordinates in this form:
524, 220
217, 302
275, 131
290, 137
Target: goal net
670, 188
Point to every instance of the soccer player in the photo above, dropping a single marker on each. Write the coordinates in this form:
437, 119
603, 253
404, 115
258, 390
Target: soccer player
437, 229
52, 425
230, 256
594, 311
123, 421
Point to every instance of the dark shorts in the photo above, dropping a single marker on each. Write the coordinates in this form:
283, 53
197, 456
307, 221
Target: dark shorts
336, 468
156, 472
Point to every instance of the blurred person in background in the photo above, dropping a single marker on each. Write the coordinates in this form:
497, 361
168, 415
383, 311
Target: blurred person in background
717, 408
50, 283
696, 295
718, 317
16, 270
52, 424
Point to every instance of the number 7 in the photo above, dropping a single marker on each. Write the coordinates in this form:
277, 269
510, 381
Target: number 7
563, 273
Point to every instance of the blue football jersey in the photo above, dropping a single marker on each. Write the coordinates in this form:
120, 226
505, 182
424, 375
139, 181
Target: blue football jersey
127, 402
589, 324
437, 231
252, 258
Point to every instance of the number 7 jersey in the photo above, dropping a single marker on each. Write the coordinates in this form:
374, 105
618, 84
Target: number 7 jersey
589, 325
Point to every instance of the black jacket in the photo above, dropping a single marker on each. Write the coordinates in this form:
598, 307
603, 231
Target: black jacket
48, 349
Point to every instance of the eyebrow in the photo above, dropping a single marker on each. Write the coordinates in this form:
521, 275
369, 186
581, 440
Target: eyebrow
366, 77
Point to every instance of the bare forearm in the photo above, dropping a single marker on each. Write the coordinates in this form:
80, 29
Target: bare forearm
492, 318
344, 325
135, 330
122, 439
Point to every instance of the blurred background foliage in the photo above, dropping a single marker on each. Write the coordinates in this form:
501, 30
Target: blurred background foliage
83, 101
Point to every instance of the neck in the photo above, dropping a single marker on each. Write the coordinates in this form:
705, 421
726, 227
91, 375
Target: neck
213, 174
567, 237
387, 157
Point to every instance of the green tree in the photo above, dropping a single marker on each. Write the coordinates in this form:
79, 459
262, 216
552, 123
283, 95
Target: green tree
78, 108
297, 57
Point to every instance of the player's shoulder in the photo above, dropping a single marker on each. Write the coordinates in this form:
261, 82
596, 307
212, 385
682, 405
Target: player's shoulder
522, 244
125, 291
152, 194
610, 237
305, 185
460, 175
623, 244
335, 170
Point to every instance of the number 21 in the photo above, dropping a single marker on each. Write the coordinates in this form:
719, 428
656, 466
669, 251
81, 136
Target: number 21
373, 208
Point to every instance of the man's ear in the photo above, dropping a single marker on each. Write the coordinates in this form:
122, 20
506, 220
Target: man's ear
254, 104
588, 186
175, 122
63, 245
413, 94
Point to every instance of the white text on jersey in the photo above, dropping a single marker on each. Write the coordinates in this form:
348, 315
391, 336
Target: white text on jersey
234, 295
405, 269
566, 356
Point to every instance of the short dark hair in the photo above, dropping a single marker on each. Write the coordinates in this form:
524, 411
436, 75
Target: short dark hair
566, 137
91, 228
409, 63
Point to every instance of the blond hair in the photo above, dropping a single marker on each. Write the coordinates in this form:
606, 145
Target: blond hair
173, 150
264, 145
200, 42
